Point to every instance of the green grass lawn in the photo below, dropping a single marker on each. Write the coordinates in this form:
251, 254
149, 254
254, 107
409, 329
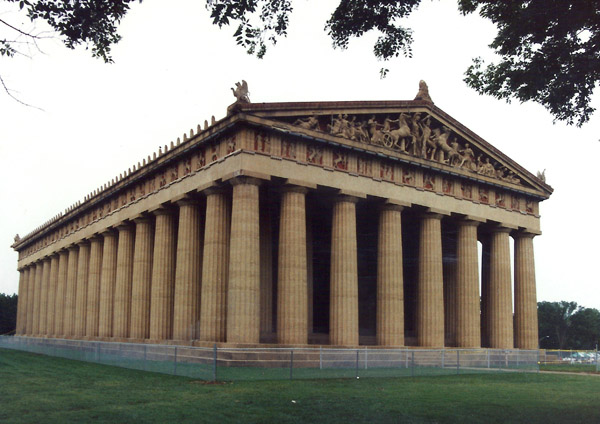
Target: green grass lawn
40, 389
567, 367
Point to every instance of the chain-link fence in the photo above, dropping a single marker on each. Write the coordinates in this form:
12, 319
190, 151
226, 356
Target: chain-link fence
281, 363
565, 360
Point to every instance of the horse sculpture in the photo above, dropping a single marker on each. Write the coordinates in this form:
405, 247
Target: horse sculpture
397, 138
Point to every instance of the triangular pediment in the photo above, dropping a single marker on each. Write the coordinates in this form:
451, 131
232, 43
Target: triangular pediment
415, 131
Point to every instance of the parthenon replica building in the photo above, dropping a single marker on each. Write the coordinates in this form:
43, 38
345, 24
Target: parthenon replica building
331, 223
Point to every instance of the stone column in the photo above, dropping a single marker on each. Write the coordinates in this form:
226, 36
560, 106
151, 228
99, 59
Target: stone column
266, 268
243, 295
61, 290
309, 274
343, 309
163, 276
83, 265
142, 279
39, 270
526, 319
93, 292
390, 281
215, 266
30, 299
485, 290
52, 288
500, 294
123, 279
108, 279
468, 326
188, 272
21, 301
71, 293
44, 297
430, 289
292, 291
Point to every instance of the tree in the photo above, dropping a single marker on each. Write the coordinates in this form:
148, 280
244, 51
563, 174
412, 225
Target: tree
585, 329
549, 50
554, 323
565, 325
8, 313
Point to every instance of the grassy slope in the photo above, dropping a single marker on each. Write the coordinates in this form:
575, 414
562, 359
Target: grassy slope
35, 388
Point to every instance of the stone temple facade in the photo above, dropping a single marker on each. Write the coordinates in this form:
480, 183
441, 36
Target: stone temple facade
381, 223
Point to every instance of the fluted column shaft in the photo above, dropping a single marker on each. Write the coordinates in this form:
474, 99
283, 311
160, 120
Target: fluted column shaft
93, 292
123, 279
526, 319
39, 270
43, 330
108, 279
266, 268
343, 322
83, 265
163, 276
243, 295
52, 289
71, 293
142, 279
21, 301
430, 289
30, 300
215, 267
61, 290
292, 293
390, 281
468, 326
500, 294
188, 272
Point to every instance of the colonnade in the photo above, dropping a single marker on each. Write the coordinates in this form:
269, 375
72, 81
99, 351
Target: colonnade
201, 271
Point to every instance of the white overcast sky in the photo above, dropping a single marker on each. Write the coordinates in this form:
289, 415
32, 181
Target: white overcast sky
173, 69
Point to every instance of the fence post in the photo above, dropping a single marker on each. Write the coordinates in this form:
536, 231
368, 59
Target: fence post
175, 362
357, 353
538, 360
412, 363
320, 357
366, 358
292, 364
443, 358
215, 362
488, 358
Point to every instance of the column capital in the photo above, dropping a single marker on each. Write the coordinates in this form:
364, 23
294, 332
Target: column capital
391, 207
83, 242
433, 215
123, 226
523, 234
162, 211
73, 247
245, 180
187, 201
466, 222
345, 198
501, 229
292, 188
108, 232
142, 219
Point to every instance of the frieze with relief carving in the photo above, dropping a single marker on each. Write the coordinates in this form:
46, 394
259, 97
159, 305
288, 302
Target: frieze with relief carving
416, 134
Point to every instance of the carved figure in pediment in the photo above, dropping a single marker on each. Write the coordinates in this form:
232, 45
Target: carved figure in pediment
468, 158
423, 93
310, 123
362, 134
396, 138
375, 134
542, 175
339, 125
439, 145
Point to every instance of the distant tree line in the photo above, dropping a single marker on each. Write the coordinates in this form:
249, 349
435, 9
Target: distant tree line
8, 313
565, 325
